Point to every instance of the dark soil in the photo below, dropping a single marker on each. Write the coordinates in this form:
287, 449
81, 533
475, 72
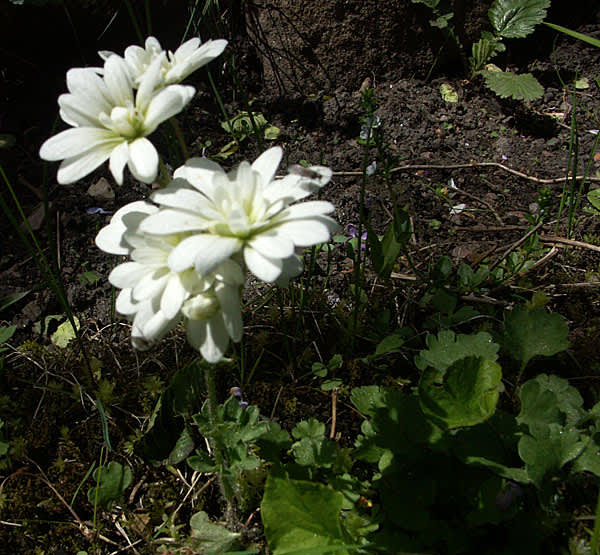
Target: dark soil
304, 66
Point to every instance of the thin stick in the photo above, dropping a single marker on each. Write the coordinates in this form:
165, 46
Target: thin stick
497, 165
571, 242
333, 412
515, 245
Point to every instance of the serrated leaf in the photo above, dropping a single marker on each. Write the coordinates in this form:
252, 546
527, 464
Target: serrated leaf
517, 18
64, 333
211, 538
301, 515
111, 482
548, 450
313, 452
445, 349
589, 458
273, 441
467, 395
549, 400
309, 429
532, 332
506, 84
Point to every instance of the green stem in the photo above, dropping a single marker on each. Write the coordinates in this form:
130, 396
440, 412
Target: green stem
180, 139
213, 418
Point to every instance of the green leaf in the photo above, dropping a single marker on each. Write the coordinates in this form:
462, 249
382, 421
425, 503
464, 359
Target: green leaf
9, 300
64, 333
182, 396
511, 85
6, 332
532, 332
447, 348
441, 22
517, 18
548, 449
467, 395
549, 400
448, 93
589, 459
300, 515
593, 197
112, 481
574, 34
312, 429
273, 441
484, 50
211, 538
432, 4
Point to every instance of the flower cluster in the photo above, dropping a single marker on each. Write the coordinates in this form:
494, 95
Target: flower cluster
189, 245
114, 108
188, 248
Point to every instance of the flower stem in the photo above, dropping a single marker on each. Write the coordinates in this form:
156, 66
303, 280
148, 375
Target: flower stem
180, 139
215, 442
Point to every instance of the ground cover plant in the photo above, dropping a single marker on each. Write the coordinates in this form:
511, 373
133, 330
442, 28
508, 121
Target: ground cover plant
274, 301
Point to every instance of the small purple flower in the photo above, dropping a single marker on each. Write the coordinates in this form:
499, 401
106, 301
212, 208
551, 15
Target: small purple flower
97, 210
238, 393
352, 232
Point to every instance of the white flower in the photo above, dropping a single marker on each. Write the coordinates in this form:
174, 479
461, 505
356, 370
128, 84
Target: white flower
246, 210
175, 67
110, 122
156, 298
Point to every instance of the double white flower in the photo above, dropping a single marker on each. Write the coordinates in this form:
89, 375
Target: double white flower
111, 119
109, 122
175, 66
246, 210
156, 298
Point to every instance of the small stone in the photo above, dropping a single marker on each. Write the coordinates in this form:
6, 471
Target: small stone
101, 190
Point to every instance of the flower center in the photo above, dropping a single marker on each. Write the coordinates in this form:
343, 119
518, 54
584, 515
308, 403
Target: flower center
126, 121
201, 307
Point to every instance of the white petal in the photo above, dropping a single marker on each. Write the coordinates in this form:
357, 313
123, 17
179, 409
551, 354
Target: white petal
231, 311
196, 332
118, 158
307, 232
209, 336
180, 194
76, 167
157, 326
75, 141
151, 284
266, 269
172, 297
289, 189
292, 267
187, 49
267, 163
199, 172
165, 104
78, 111
143, 160
127, 275
118, 81
168, 221
230, 272
125, 303
111, 237
149, 81
204, 251
307, 210
272, 244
